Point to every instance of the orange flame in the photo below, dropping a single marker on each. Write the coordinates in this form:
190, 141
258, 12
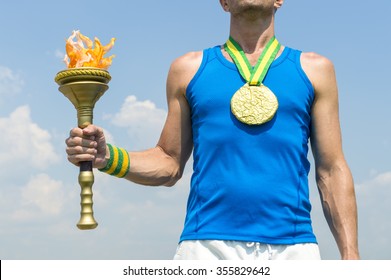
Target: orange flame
83, 53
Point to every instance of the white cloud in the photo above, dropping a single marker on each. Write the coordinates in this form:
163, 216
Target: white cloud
143, 120
37, 198
10, 82
374, 206
42, 196
376, 192
23, 141
139, 113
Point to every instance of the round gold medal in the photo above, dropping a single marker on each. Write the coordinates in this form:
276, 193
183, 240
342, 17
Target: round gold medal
254, 105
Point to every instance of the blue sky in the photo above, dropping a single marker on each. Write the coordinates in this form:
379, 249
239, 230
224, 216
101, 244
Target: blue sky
39, 193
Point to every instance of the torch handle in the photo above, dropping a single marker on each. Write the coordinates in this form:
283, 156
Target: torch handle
86, 176
85, 166
86, 180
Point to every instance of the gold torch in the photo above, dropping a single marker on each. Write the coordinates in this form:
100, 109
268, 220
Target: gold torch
83, 83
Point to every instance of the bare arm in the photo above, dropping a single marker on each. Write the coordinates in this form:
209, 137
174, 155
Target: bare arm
163, 164
333, 176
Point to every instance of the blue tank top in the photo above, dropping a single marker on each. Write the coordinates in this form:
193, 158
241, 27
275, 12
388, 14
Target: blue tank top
249, 183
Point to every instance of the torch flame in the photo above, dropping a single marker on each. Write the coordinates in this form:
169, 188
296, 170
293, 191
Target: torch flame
83, 53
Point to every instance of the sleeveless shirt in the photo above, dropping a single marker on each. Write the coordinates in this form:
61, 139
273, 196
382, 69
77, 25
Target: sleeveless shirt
249, 183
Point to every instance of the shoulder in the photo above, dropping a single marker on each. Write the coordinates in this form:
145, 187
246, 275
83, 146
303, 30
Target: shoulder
319, 69
183, 69
187, 63
311, 62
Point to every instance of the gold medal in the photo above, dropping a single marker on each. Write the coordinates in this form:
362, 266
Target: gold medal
254, 105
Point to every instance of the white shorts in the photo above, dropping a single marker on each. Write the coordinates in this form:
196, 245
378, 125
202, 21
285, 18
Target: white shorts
237, 250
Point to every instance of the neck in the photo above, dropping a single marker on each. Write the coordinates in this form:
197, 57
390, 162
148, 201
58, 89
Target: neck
252, 34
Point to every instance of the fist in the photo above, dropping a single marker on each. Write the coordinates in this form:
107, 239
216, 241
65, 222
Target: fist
87, 144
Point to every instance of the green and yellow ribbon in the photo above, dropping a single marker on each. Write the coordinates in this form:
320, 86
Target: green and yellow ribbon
253, 75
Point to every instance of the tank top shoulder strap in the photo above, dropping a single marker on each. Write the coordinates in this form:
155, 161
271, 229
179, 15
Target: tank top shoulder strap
294, 56
207, 55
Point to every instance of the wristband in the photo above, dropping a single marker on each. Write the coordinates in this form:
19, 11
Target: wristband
118, 165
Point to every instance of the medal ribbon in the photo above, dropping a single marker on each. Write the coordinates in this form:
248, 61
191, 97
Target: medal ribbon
253, 75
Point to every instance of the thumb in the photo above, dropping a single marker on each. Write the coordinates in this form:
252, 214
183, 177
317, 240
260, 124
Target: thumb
91, 130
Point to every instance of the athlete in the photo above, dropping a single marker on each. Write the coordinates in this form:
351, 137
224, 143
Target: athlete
247, 110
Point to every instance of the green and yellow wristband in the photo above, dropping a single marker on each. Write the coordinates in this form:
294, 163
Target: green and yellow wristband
118, 164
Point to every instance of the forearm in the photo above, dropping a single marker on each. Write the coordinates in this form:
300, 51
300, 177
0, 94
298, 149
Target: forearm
339, 205
153, 167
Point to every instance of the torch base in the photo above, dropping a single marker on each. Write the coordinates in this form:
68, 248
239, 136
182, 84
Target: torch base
87, 226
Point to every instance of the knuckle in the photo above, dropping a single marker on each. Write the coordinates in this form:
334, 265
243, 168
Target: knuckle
75, 132
79, 149
68, 141
68, 150
71, 159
